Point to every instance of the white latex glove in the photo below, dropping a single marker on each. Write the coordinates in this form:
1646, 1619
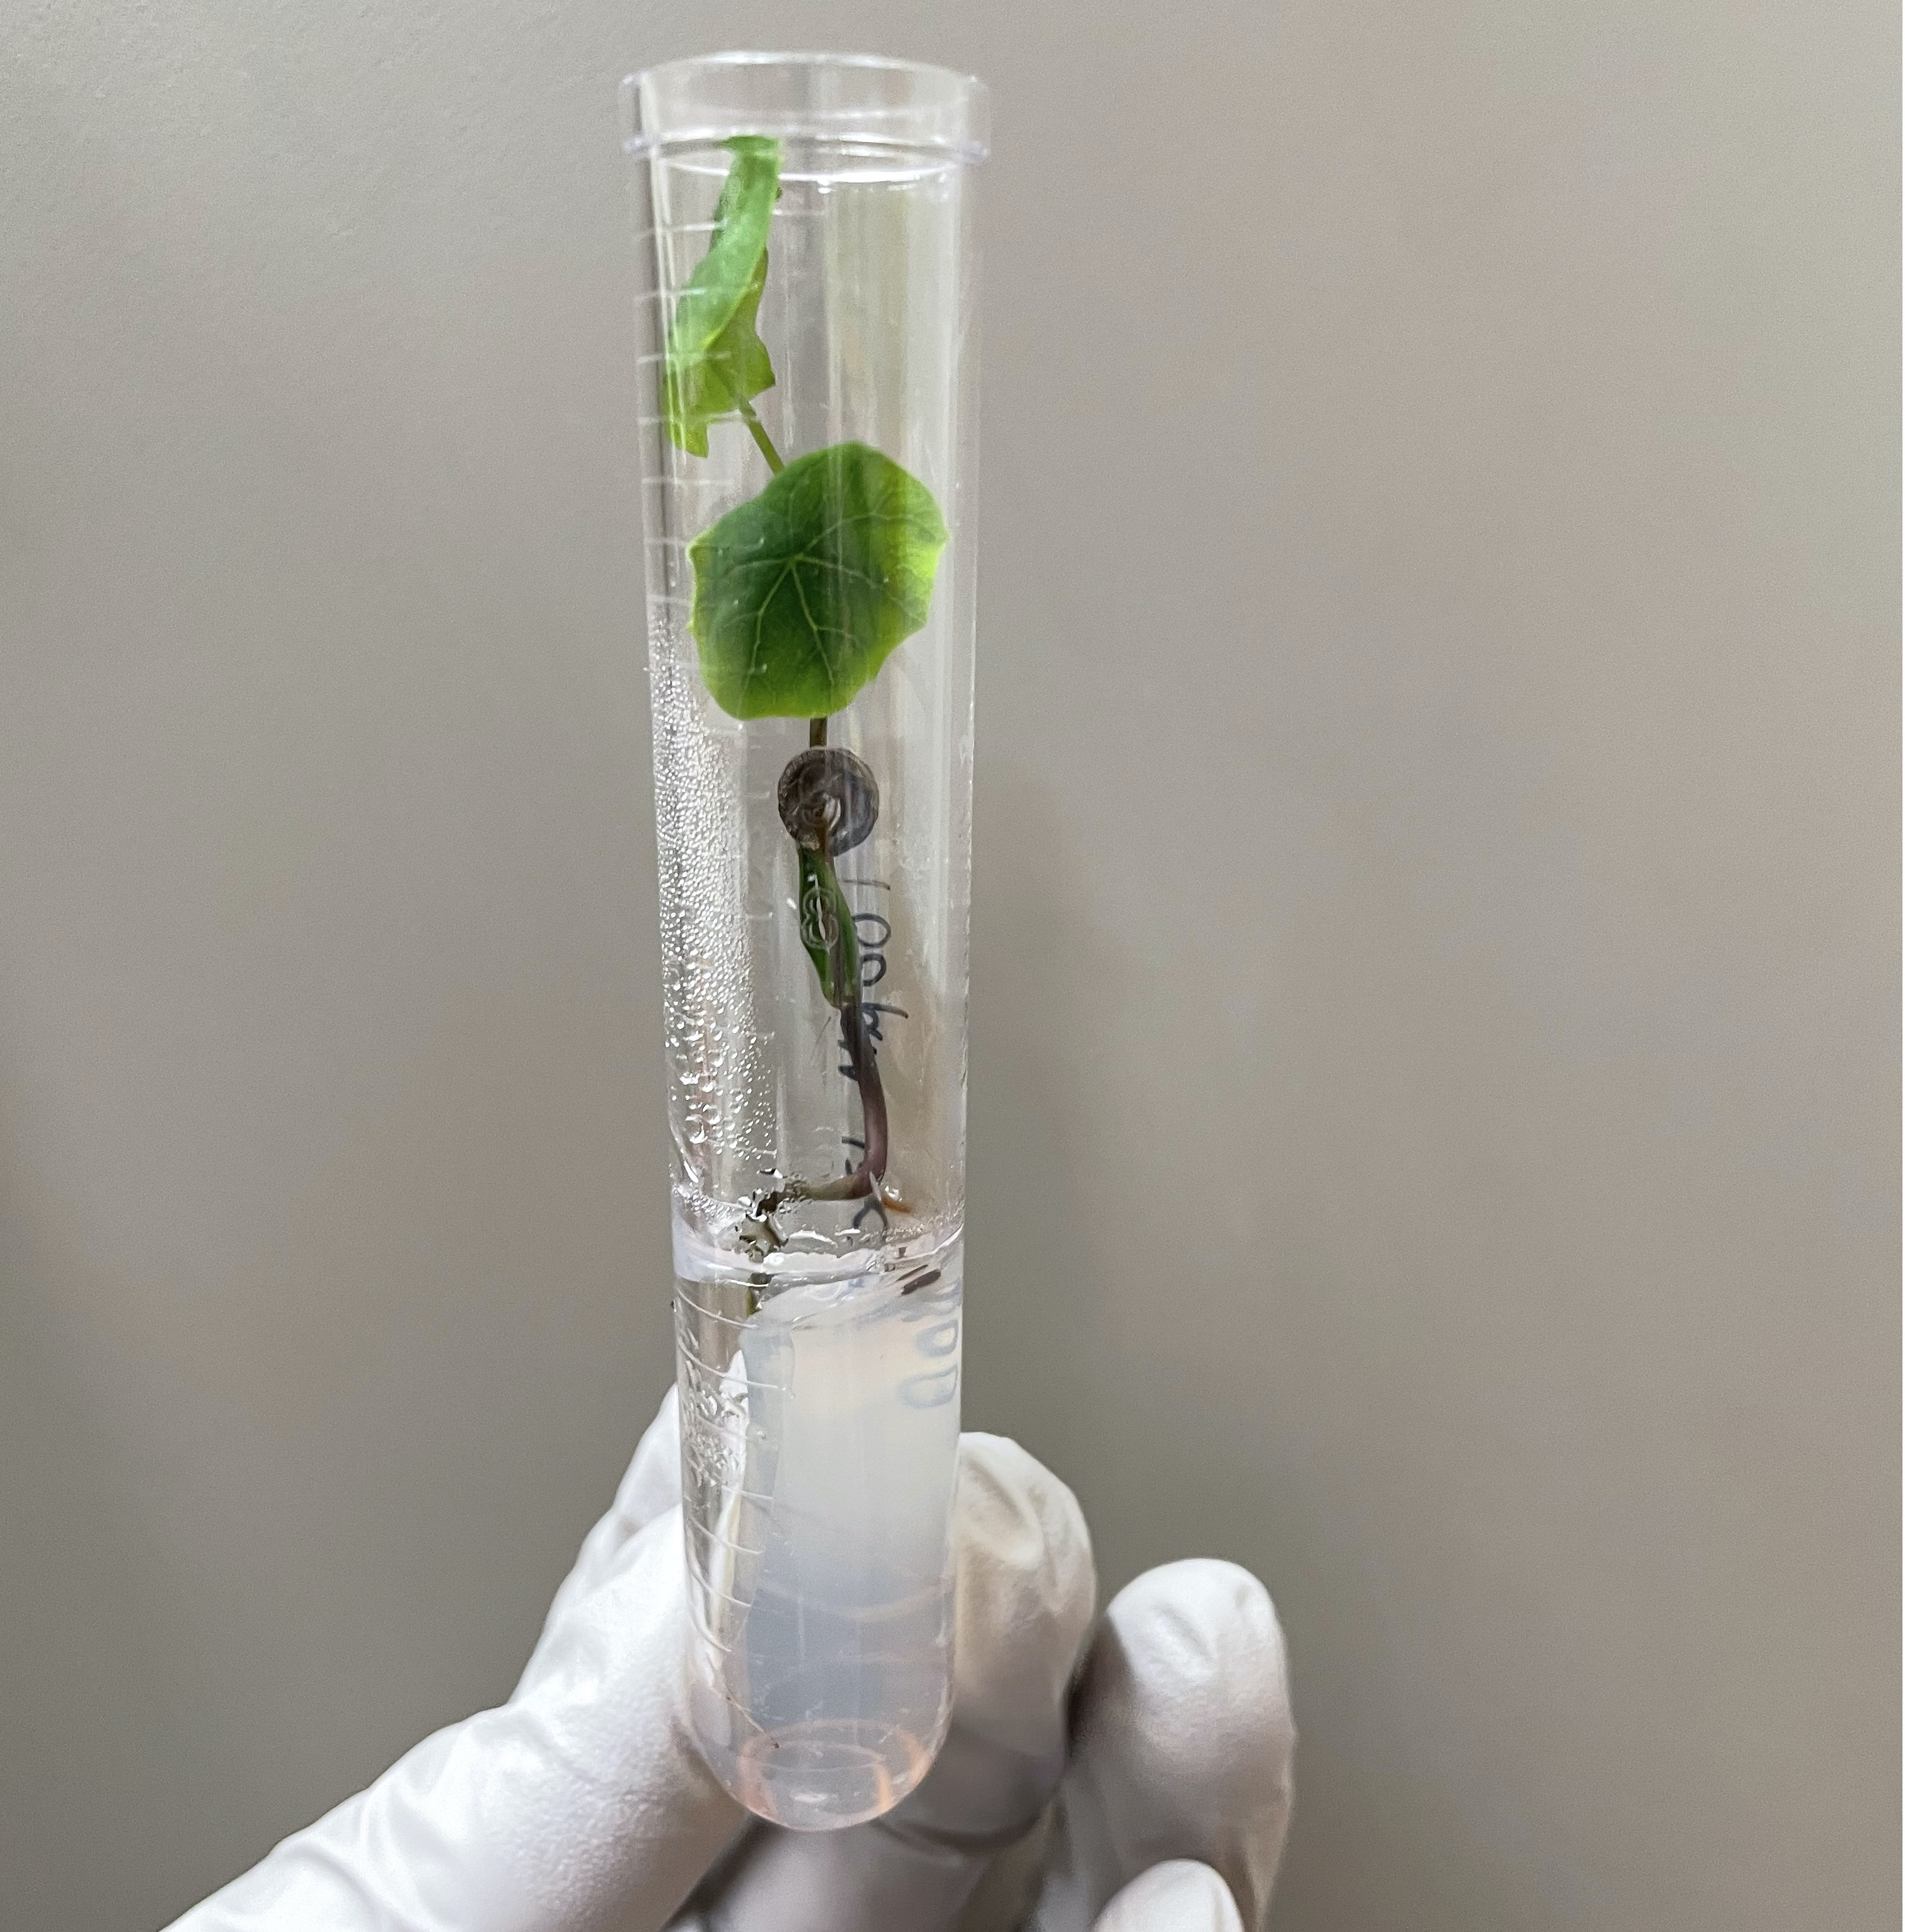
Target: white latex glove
582, 1805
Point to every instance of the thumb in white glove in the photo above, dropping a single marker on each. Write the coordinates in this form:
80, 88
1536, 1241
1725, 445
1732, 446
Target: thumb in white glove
581, 1802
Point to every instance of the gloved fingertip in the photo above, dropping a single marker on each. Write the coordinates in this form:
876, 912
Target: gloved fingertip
1015, 1517
1179, 1895
1024, 1593
1194, 1650
1182, 1745
1026, 1587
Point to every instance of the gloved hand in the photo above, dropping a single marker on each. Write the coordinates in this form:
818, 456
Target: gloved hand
582, 1805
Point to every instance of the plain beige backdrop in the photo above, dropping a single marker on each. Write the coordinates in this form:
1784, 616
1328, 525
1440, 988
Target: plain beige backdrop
1434, 1089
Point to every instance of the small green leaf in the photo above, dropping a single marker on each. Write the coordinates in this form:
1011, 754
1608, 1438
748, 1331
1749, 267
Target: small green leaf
801, 593
716, 361
827, 929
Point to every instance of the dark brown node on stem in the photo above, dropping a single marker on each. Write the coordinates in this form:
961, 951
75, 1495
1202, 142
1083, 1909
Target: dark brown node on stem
828, 798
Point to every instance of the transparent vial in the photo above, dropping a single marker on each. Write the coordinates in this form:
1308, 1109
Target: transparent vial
818, 1301
819, 1429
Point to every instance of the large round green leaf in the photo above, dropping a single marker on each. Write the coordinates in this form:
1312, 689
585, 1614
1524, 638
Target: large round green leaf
801, 593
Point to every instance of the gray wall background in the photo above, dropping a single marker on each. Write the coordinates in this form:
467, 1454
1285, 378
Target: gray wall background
1434, 1095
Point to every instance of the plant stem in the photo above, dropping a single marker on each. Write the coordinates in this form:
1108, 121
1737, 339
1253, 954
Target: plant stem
856, 1041
757, 430
862, 1059
860, 1056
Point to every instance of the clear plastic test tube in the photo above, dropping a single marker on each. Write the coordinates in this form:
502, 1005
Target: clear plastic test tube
804, 227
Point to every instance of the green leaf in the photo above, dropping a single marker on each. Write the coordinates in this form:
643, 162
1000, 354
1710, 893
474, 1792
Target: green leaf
801, 593
716, 361
827, 929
